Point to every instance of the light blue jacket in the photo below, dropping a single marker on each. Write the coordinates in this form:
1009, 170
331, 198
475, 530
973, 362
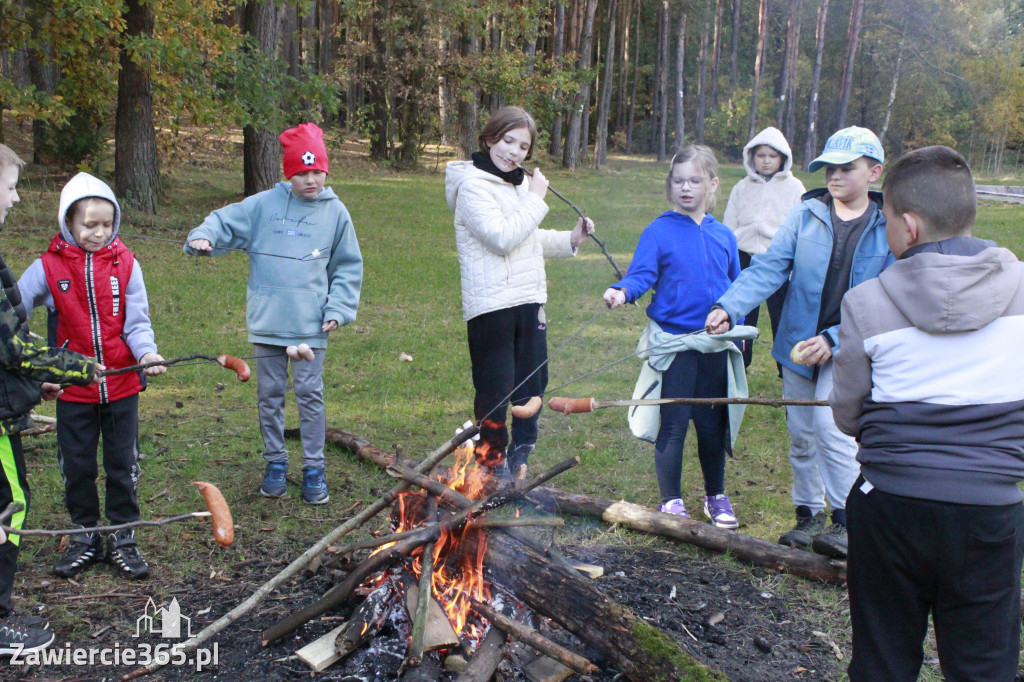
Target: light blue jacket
800, 251
318, 279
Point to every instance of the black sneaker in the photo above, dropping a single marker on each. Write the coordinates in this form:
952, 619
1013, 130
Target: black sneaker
832, 542
31, 621
18, 638
806, 528
85, 550
123, 552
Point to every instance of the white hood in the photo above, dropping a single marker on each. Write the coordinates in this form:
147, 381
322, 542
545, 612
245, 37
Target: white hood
774, 138
82, 186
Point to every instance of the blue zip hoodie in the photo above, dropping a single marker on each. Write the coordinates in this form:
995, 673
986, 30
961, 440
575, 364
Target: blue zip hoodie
288, 299
688, 265
800, 252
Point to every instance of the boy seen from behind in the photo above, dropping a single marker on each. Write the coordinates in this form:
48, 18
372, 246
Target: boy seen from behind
927, 379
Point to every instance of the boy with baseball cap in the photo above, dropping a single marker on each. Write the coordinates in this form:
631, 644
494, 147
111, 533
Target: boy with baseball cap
831, 241
305, 275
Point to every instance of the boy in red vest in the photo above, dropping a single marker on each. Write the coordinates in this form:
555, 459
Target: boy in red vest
95, 285
25, 365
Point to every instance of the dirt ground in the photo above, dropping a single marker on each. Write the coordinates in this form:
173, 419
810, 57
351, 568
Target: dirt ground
761, 636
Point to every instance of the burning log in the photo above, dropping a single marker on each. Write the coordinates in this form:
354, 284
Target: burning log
365, 620
538, 641
419, 622
744, 547
639, 651
486, 659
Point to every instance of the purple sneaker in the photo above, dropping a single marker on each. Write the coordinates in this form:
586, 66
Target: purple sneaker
675, 506
719, 510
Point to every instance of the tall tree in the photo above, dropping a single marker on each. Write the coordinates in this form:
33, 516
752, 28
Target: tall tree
762, 32
467, 106
636, 79
702, 62
716, 53
625, 12
261, 155
895, 84
663, 82
571, 153
852, 38
557, 50
734, 34
136, 166
787, 78
680, 128
656, 89
811, 139
607, 85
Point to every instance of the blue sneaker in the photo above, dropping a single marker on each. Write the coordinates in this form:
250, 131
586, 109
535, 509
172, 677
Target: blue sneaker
275, 480
314, 486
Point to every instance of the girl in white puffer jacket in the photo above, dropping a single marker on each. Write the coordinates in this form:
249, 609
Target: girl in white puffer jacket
498, 211
757, 206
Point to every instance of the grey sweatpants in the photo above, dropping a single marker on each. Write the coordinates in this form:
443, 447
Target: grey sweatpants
308, 384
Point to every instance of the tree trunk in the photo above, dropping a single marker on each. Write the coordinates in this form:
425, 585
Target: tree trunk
467, 102
680, 128
852, 38
607, 85
663, 82
788, 63
811, 142
789, 118
640, 652
261, 153
626, 12
762, 32
733, 49
702, 79
652, 143
136, 167
571, 153
636, 78
746, 548
895, 84
377, 90
555, 146
716, 53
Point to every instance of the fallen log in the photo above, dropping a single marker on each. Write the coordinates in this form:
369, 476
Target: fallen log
744, 547
642, 653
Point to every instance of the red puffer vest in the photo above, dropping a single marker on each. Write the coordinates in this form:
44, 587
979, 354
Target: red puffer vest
88, 292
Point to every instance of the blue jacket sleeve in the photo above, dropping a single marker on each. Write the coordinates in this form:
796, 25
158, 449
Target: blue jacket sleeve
344, 274
643, 269
229, 227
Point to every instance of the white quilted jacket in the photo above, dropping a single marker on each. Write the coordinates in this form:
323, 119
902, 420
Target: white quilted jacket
501, 250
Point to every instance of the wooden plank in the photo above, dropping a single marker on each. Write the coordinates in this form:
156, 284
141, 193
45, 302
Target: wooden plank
590, 570
439, 629
546, 669
320, 653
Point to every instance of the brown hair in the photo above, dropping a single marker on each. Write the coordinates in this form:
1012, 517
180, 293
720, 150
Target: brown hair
69, 215
936, 184
9, 158
504, 120
702, 156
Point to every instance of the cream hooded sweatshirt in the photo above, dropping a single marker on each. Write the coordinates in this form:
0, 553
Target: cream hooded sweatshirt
757, 206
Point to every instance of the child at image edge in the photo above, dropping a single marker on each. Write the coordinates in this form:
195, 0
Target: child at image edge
832, 241
304, 283
757, 206
94, 283
926, 380
24, 367
689, 259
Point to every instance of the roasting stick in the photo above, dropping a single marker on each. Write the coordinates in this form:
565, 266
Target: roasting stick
419, 624
229, 361
581, 405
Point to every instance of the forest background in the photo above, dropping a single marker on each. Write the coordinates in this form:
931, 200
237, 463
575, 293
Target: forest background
632, 76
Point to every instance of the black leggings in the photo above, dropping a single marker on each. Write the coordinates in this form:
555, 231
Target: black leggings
504, 347
693, 375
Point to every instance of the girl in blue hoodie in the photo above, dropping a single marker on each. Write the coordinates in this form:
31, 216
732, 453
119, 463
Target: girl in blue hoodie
689, 259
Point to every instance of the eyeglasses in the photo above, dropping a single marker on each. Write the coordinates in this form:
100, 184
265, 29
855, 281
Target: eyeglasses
693, 182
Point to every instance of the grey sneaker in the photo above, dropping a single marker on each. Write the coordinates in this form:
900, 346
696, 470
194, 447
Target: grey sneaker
832, 542
806, 528
18, 638
314, 486
275, 479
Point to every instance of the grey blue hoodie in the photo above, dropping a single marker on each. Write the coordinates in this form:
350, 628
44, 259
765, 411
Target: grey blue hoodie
305, 267
928, 374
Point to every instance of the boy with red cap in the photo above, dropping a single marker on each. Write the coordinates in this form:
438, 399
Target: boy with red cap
305, 274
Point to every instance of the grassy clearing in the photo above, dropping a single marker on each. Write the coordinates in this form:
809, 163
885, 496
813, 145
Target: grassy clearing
200, 423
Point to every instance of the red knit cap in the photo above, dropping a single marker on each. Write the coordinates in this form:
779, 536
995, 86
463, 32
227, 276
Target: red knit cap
304, 149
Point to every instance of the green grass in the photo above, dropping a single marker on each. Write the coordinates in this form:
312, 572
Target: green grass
200, 423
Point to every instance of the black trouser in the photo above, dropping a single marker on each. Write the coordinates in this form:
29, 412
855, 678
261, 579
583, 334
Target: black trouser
79, 426
693, 374
774, 312
13, 488
504, 347
910, 557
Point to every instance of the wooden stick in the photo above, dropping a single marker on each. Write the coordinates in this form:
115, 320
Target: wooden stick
489, 522
432, 485
164, 363
300, 563
538, 641
374, 542
580, 405
486, 659
419, 625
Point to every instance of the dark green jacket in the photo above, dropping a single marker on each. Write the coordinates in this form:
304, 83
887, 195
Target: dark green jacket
25, 363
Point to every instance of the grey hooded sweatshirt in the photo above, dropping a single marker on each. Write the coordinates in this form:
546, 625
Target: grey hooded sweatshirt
929, 374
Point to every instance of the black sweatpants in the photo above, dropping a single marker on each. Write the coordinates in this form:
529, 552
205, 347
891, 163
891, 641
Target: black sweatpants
13, 488
961, 563
504, 347
79, 426
774, 312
